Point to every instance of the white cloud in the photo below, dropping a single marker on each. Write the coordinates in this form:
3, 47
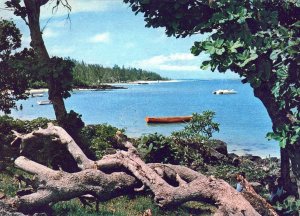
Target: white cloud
61, 51
100, 38
49, 33
172, 62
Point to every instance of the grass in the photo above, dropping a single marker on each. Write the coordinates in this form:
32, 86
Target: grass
8, 185
125, 206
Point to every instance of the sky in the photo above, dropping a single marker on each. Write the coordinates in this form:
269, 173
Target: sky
107, 32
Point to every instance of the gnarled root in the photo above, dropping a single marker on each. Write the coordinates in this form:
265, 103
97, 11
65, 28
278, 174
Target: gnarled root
104, 179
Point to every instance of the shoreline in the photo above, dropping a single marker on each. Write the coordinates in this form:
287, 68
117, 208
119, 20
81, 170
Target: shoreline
238, 152
106, 86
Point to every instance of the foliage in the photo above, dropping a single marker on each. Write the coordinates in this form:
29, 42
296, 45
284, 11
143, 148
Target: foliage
156, 148
37, 84
288, 133
289, 207
185, 147
59, 70
72, 123
99, 137
7, 124
259, 40
201, 127
14, 74
94, 74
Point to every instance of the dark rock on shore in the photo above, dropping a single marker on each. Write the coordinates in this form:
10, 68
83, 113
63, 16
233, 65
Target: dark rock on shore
101, 87
253, 158
218, 145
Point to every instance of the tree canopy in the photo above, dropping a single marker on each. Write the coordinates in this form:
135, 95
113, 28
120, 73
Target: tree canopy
14, 66
259, 40
95, 74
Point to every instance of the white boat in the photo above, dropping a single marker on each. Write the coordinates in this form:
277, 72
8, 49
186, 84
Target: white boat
44, 102
224, 91
37, 95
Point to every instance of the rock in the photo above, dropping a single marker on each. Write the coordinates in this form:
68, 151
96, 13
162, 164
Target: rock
215, 156
231, 156
219, 146
253, 158
236, 161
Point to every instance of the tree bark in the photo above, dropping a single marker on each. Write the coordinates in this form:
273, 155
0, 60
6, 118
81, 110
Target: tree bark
279, 118
294, 152
105, 179
37, 43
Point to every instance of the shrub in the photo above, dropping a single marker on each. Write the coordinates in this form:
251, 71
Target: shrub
7, 124
156, 148
200, 128
186, 147
289, 207
99, 137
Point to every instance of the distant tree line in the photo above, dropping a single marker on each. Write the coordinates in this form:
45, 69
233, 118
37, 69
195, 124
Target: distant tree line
88, 75
94, 74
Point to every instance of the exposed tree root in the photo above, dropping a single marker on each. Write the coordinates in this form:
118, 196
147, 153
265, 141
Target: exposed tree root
105, 179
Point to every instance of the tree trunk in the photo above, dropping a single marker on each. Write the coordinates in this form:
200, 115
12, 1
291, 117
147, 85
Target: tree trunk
285, 169
294, 152
106, 178
37, 42
280, 118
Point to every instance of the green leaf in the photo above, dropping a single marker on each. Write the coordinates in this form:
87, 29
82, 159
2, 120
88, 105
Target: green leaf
251, 58
220, 51
282, 73
219, 43
211, 50
274, 54
150, 147
283, 142
234, 46
205, 65
207, 45
297, 24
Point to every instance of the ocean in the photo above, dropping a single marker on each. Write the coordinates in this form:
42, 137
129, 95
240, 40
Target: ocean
243, 119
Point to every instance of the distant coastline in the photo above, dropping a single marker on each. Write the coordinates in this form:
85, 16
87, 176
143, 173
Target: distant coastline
105, 86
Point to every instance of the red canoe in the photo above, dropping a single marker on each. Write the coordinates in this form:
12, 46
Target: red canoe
171, 119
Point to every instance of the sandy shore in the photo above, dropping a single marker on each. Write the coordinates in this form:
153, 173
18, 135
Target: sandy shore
37, 91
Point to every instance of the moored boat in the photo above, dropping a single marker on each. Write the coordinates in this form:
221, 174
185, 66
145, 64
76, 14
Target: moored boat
37, 95
170, 119
44, 102
224, 91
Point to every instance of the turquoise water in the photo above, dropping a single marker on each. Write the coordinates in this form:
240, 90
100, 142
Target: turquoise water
243, 119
